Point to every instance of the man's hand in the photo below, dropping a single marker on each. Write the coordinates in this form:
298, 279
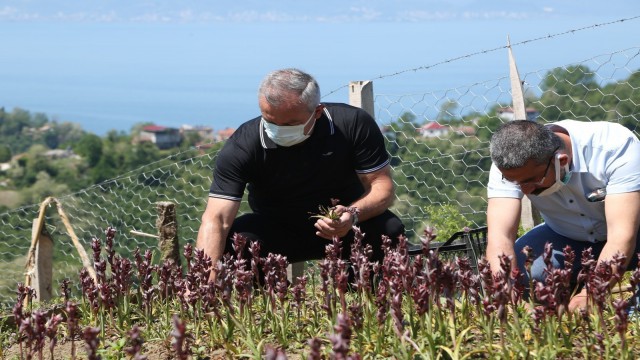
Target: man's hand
578, 302
328, 228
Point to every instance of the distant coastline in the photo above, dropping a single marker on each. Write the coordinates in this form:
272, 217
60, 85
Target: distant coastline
112, 76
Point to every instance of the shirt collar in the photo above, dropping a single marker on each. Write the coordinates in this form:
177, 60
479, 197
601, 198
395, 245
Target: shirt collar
323, 127
578, 163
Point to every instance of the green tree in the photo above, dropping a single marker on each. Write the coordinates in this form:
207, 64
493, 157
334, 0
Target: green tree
565, 93
29, 166
190, 139
39, 120
487, 125
621, 102
68, 133
5, 153
447, 111
43, 187
15, 121
51, 139
114, 136
141, 154
106, 169
569, 80
90, 147
446, 220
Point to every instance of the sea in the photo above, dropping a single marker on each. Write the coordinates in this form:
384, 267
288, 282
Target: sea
111, 76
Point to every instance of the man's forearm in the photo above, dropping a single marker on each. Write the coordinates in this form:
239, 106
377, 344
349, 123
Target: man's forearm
611, 248
216, 223
212, 240
373, 204
378, 195
497, 247
503, 217
622, 212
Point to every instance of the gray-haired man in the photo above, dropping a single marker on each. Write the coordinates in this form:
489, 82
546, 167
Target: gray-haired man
298, 155
566, 169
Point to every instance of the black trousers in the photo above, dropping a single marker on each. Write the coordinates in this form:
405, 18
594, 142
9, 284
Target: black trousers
297, 239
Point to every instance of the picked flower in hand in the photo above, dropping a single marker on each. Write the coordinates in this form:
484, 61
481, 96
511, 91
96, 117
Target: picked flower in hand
328, 212
332, 213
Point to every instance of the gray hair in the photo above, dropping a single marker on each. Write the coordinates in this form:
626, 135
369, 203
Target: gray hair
278, 84
519, 141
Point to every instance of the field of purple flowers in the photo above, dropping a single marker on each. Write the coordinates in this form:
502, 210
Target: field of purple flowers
408, 307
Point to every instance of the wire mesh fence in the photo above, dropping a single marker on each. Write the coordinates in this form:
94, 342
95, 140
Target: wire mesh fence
438, 140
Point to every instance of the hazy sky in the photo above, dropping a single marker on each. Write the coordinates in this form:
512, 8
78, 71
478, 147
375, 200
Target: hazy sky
308, 11
110, 64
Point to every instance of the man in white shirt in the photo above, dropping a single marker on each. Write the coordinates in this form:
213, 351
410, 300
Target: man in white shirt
583, 177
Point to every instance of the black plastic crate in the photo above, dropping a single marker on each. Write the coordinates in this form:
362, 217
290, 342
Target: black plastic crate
471, 243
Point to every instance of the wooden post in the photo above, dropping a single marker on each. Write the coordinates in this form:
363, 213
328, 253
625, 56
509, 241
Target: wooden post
42, 276
294, 271
361, 95
529, 215
167, 225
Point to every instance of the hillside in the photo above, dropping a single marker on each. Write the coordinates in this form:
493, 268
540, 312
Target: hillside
41, 157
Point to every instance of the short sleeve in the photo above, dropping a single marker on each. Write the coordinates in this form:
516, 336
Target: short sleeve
230, 173
623, 167
370, 153
498, 188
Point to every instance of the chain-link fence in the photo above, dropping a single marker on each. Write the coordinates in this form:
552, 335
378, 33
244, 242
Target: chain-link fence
438, 141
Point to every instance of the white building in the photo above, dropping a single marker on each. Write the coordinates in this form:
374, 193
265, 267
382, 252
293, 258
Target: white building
433, 129
506, 113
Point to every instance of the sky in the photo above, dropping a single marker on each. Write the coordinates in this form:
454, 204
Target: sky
111, 64
327, 11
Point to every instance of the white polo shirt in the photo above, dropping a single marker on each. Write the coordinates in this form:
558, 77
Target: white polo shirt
605, 155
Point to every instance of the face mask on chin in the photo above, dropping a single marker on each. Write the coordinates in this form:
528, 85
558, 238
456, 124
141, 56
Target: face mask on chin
560, 182
287, 135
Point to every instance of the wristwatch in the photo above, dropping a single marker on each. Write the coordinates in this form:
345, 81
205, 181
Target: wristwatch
354, 218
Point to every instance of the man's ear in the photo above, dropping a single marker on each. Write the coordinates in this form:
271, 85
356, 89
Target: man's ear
563, 158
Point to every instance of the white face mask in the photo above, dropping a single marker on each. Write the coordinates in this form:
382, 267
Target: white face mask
559, 182
287, 135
